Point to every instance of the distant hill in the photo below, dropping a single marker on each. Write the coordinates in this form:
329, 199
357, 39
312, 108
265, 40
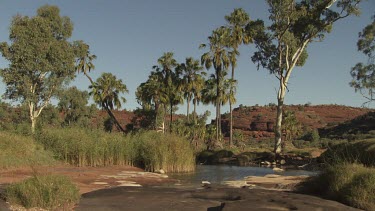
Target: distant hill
259, 121
363, 124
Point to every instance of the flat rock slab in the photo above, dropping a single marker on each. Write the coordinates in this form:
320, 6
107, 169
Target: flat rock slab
212, 199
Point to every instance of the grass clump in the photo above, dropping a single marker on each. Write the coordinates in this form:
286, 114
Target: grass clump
18, 150
52, 192
352, 184
163, 151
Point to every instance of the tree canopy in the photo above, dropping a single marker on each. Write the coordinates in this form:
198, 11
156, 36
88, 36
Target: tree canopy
364, 73
282, 45
41, 58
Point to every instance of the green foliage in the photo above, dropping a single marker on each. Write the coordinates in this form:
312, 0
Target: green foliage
106, 91
291, 126
192, 81
194, 132
150, 150
73, 104
19, 151
351, 184
359, 151
41, 59
52, 192
364, 74
312, 136
283, 45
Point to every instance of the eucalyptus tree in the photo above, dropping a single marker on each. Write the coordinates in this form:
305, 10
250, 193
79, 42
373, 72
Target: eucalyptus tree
364, 74
41, 59
73, 104
282, 46
106, 93
218, 57
236, 22
167, 72
191, 80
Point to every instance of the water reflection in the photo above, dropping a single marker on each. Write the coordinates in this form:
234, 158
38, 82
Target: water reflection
219, 173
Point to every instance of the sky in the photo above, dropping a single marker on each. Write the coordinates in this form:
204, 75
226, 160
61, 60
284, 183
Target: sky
128, 37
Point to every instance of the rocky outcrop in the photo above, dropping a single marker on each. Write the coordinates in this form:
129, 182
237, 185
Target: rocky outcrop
259, 121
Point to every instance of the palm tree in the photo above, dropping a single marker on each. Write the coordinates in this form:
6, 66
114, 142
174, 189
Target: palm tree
166, 72
191, 74
84, 59
197, 93
151, 95
237, 22
106, 93
218, 57
227, 91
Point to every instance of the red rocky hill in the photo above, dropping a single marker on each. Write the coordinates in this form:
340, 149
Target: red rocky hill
259, 121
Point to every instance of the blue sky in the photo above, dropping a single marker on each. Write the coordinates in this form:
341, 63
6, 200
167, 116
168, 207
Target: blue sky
129, 36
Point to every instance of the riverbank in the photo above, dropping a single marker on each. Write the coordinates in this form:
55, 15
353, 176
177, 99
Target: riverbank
130, 188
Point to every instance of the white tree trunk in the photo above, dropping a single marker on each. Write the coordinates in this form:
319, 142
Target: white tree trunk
279, 117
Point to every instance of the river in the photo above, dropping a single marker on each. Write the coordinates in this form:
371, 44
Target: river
219, 173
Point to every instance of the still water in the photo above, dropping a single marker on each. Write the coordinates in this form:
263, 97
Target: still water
220, 173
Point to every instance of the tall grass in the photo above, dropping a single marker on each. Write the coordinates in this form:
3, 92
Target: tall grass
352, 184
52, 192
163, 151
18, 150
151, 150
353, 152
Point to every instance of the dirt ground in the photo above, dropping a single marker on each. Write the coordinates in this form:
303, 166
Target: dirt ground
130, 188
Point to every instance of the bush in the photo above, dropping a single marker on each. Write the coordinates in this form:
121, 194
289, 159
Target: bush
352, 184
17, 150
311, 136
48, 192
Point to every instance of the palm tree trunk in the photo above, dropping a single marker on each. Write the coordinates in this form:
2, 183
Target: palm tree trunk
114, 119
195, 110
231, 114
156, 115
188, 107
171, 119
217, 103
230, 126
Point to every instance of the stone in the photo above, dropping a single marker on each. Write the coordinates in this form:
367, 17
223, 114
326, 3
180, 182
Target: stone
277, 169
161, 171
282, 162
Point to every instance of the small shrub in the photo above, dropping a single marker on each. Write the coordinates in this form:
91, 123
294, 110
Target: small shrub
53, 192
311, 136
